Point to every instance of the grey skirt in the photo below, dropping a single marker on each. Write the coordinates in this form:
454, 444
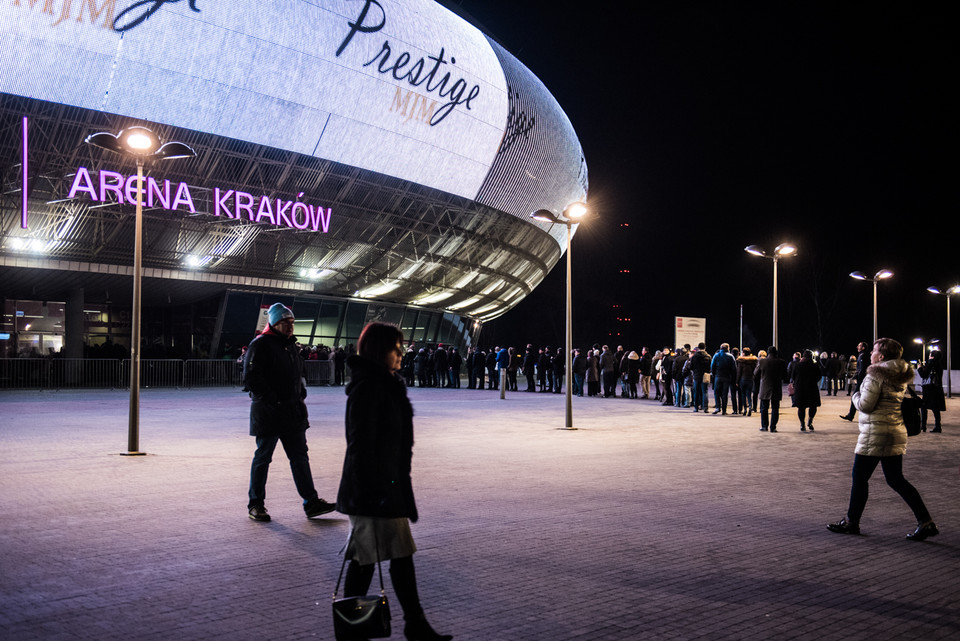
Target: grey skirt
373, 538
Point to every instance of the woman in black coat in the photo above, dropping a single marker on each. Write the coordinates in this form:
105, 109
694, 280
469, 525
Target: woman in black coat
931, 375
806, 389
375, 487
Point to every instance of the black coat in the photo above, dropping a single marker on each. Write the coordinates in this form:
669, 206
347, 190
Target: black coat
379, 427
274, 374
806, 384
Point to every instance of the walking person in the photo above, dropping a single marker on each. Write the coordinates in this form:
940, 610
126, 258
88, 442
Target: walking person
806, 391
375, 488
883, 439
275, 377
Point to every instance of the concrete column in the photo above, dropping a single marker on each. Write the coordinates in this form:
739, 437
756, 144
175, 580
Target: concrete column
73, 325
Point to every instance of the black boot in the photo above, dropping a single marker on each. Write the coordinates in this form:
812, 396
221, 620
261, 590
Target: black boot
404, 579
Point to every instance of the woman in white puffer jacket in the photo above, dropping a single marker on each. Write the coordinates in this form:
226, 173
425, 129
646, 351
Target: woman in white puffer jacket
883, 439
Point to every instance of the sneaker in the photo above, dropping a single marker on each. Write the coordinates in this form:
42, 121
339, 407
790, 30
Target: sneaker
843, 526
258, 513
923, 531
316, 507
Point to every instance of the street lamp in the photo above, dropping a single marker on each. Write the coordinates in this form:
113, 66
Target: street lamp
883, 274
571, 216
141, 144
782, 250
947, 294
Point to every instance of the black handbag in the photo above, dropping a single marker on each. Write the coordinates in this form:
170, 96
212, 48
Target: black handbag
361, 617
910, 408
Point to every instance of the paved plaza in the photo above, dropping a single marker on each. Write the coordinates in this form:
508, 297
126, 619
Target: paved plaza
645, 523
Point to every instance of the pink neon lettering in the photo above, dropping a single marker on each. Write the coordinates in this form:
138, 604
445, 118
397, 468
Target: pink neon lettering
221, 203
115, 187
183, 197
130, 188
82, 182
282, 218
154, 189
265, 211
320, 218
247, 205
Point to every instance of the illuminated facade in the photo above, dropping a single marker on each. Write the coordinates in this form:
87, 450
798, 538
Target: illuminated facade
357, 159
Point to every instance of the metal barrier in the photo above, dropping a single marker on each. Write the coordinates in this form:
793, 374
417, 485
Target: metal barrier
319, 372
210, 373
103, 373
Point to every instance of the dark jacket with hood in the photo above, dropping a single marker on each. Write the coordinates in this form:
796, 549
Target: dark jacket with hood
274, 374
379, 426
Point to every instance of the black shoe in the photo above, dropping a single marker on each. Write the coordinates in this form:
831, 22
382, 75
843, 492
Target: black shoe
923, 531
936, 430
258, 513
316, 507
803, 429
763, 429
843, 526
773, 429
847, 417
421, 631
810, 427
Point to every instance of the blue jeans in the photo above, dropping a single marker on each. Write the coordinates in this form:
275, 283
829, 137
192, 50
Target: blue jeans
577, 385
295, 447
721, 391
700, 399
746, 394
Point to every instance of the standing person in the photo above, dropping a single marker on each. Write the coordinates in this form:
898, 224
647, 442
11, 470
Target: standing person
655, 374
723, 371
863, 362
931, 375
699, 367
632, 361
471, 376
608, 372
593, 374
339, 366
455, 362
514, 364
883, 439
274, 374
746, 366
375, 487
441, 363
851, 374
579, 366
529, 368
806, 392
666, 376
770, 374
646, 365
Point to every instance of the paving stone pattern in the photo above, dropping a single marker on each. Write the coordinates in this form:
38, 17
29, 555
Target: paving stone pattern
647, 522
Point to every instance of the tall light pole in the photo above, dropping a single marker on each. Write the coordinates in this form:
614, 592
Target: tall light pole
947, 294
782, 250
883, 274
571, 216
141, 144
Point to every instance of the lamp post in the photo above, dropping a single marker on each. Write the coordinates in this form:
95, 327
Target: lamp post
782, 250
947, 294
883, 274
141, 144
571, 216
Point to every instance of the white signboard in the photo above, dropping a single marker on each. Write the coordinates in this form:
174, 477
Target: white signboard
689, 331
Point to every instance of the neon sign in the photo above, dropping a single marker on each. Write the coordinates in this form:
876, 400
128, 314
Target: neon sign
111, 186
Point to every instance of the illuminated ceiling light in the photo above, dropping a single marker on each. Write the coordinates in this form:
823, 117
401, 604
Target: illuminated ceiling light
487, 308
492, 287
198, 261
433, 298
466, 303
463, 282
379, 290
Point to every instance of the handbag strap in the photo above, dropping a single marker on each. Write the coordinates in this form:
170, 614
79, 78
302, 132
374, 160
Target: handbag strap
344, 563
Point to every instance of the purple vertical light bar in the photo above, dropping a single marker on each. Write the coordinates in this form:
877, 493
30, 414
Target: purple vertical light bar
23, 167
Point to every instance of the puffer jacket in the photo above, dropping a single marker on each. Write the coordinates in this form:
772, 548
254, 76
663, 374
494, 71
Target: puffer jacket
882, 432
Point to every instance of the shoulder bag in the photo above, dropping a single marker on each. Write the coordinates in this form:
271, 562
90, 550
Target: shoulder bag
361, 617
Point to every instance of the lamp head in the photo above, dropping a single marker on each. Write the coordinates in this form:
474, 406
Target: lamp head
883, 274
785, 249
545, 215
575, 210
755, 250
859, 275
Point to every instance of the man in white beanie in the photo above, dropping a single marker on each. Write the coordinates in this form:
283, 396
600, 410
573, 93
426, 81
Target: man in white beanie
274, 374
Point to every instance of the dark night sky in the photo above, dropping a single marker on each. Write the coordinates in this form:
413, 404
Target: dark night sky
709, 127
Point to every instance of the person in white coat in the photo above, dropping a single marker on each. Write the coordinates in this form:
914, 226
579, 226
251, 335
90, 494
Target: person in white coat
883, 439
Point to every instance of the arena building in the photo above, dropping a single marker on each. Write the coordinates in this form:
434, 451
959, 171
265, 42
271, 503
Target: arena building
355, 159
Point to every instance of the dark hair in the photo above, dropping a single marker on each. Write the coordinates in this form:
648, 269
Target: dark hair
377, 340
890, 348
